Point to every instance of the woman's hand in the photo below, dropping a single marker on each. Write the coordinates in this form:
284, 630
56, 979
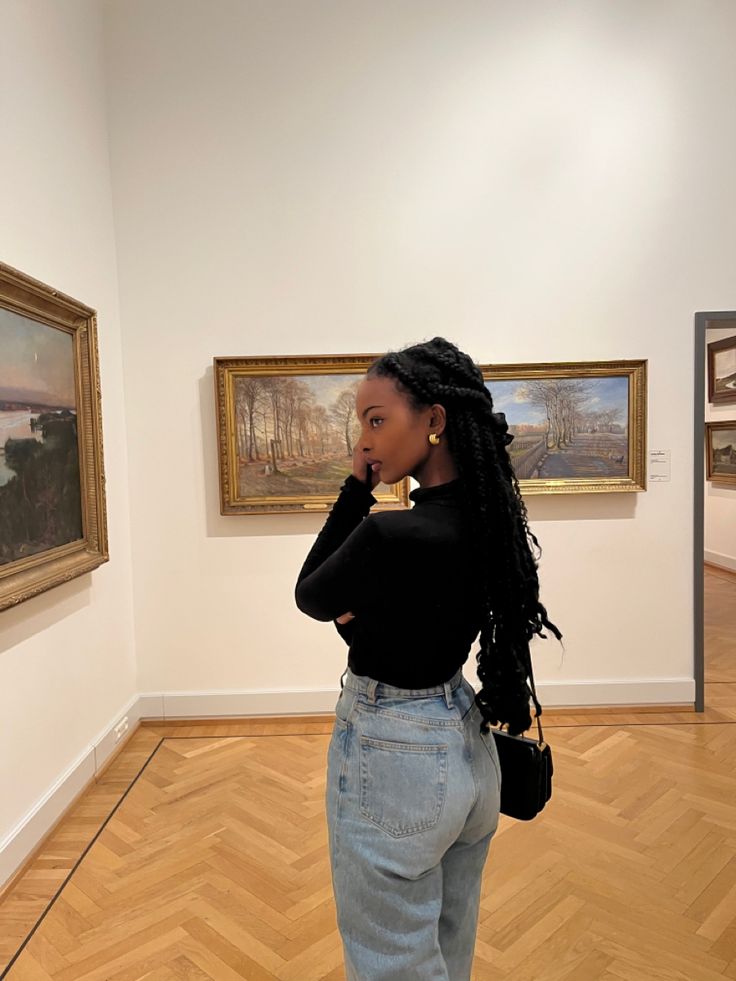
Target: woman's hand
360, 468
346, 617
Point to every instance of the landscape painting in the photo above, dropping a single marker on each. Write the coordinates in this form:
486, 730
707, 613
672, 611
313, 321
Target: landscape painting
576, 427
53, 520
287, 429
722, 371
721, 451
40, 500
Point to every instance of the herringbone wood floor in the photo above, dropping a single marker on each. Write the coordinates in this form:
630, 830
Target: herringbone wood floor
201, 853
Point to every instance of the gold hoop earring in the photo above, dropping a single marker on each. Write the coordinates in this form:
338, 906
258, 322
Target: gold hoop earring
434, 439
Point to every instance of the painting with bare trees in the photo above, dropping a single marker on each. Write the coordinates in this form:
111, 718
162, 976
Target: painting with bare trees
577, 427
287, 429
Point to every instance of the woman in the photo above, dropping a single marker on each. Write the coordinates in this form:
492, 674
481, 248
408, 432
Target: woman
413, 781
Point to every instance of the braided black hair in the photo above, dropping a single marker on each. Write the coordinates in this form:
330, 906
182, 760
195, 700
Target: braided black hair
437, 371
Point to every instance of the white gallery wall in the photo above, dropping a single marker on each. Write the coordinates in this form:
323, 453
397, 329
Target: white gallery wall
537, 182
719, 503
67, 660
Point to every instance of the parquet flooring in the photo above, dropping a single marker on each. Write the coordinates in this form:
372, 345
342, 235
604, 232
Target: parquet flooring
719, 624
201, 853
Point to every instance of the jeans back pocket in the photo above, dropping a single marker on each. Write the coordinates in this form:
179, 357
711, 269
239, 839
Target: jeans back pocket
402, 784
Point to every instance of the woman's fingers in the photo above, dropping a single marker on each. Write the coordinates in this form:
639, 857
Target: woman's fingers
345, 617
360, 469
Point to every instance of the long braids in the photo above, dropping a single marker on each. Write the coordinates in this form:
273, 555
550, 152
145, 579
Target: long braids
506, 569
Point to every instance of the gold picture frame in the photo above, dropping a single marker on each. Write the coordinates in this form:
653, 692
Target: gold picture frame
285, 433
720, 452
53, 519
579, 427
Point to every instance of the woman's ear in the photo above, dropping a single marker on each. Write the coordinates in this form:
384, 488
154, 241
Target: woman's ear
437, 418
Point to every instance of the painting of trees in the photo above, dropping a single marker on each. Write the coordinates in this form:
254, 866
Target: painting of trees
568, 407
286, 432
293, 433
40, 505
280, 419
572, 422
342, 411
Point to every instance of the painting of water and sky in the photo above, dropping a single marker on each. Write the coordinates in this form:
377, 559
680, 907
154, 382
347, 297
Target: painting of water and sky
40, 502
724, 371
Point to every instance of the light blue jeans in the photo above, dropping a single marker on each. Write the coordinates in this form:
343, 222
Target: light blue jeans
413, 797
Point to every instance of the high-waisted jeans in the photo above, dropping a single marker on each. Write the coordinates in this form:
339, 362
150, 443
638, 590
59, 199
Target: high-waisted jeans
413, 797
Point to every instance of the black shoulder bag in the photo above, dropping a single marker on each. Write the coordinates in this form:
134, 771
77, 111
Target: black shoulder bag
526, 768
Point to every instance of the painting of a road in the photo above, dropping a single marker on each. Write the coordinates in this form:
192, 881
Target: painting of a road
566, 427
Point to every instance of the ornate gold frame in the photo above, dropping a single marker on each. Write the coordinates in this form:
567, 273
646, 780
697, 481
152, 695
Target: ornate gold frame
717, 478
636, 371
27, 577
225, 371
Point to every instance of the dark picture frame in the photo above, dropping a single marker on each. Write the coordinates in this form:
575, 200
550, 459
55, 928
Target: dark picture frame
722, 371
720, 452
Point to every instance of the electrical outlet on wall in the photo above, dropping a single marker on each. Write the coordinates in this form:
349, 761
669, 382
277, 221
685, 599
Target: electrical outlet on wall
121, 728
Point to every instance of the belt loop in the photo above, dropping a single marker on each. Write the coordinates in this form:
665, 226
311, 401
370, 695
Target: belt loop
342, 684
448, 694
372, 685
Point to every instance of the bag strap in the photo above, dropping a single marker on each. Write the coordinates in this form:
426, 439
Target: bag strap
537, 706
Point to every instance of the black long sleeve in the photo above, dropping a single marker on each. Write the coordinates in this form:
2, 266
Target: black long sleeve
406, 575
338, 564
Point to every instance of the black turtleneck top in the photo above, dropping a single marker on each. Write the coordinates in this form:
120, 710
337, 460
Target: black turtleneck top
406, 575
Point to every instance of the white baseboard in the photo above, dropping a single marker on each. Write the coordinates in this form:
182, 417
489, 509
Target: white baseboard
151, 706
724, 561
107, 742
586, 694
229, 703
552, 694
30, 831
20, 843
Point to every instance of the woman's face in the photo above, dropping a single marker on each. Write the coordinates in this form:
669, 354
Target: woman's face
392, 432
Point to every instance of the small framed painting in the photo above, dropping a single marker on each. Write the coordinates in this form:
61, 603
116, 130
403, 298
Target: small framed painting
722, 371
286, 429
53, 523
720, 452
578, 427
